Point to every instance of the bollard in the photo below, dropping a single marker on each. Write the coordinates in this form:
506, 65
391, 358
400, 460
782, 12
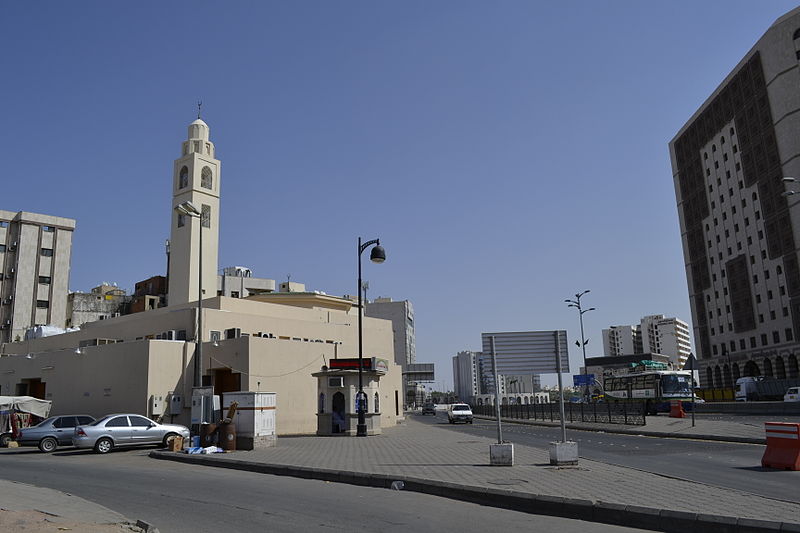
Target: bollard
676, 409
783, 446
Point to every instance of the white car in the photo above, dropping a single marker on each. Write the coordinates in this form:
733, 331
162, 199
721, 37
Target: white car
792, 395
459, 412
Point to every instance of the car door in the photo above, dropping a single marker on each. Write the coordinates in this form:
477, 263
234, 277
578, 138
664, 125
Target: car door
119, 429
63, 427
144, 431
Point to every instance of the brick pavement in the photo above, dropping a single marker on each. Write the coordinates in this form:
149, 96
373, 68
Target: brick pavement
422, 451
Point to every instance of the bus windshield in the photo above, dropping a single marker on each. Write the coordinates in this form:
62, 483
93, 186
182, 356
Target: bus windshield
674, 384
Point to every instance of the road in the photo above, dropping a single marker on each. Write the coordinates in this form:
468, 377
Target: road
736, 466
180, 498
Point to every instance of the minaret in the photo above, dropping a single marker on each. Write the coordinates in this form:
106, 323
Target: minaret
195, 179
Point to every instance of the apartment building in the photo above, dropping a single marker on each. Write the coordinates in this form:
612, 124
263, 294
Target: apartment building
739, 220
653, 334
35, 252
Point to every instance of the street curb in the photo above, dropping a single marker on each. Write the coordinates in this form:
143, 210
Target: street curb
598, 511
624, 431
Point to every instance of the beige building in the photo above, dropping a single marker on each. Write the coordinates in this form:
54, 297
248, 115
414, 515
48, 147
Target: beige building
272, 342
35, 254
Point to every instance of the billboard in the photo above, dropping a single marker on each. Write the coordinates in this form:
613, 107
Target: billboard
527, 352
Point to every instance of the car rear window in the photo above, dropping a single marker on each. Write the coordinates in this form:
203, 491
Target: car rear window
461, 407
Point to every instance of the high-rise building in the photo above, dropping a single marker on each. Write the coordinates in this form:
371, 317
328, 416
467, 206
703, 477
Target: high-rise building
35, 253
195, 179
739, 223
653, 334
402, 316
473, 380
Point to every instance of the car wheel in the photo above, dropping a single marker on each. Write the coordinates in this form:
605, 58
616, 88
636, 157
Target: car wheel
104, 445
48, 444
4, 440
168, 437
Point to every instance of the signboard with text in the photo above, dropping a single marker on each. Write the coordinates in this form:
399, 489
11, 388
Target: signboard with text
527, 352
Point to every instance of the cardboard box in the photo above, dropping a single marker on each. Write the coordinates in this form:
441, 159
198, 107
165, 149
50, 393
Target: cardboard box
175, 444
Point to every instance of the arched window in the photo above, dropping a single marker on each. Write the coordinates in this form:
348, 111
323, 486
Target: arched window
768, 368
792, 359
736, 372
796, 35
751, 369
206, 179
717, 376
709, 377
780, 368
377, 403
183, 181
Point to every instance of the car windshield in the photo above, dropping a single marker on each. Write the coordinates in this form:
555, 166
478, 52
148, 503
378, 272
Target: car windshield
100, 420
674, 384
45, 421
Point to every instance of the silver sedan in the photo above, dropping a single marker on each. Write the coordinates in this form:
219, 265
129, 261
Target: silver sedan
52, 432
125, 430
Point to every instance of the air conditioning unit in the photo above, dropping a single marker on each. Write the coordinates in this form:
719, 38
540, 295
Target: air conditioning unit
170, 335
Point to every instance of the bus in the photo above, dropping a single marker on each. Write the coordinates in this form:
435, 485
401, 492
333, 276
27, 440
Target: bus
654, 387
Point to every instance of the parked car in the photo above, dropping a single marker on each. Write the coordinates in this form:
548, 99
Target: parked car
792, 395
429, 409
125, 430
459, 412
52, 432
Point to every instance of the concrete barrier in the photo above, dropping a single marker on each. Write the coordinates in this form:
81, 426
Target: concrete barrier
783, 446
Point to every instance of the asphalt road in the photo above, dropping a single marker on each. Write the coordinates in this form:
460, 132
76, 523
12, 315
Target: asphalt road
736, 466
180, 498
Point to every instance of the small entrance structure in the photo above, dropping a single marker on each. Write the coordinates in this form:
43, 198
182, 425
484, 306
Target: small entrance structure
337, 391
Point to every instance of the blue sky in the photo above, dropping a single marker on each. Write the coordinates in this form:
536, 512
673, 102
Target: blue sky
507, 154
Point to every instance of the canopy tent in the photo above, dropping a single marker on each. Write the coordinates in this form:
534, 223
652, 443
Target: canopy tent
26, 404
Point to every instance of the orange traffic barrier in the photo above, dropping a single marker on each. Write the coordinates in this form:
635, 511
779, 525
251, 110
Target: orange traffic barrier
676, 409
783, 446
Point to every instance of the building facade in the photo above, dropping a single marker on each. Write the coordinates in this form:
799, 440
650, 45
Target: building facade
102, 302
739, 224
402, 316
35, 253
238, 282
653, 334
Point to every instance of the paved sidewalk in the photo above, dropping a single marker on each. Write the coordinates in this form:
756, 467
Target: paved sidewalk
440, 461
26, 507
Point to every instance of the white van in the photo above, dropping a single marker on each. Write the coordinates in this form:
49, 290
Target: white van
459, 412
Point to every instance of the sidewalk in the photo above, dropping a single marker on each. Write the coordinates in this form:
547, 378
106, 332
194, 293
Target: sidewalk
436, 460
34, 509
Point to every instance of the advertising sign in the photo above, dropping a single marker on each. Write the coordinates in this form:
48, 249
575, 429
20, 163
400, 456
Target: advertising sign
527, 352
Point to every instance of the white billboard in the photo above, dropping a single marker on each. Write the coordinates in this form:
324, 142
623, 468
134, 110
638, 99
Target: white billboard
527, 352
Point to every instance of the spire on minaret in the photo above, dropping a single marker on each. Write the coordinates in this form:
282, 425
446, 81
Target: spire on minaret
199, 105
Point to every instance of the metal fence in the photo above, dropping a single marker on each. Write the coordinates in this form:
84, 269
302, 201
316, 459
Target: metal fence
628, 413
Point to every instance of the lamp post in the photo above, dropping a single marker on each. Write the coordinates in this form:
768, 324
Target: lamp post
377, 255
576, 303
188, 209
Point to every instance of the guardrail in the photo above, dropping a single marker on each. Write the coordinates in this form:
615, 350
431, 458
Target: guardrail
627, 413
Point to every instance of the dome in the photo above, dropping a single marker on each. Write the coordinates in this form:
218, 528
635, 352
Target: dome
198, 130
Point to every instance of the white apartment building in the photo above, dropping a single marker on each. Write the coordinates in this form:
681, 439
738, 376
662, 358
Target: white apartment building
35, 253
465, 375
653, 334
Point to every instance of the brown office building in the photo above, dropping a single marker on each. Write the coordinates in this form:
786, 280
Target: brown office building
739, 216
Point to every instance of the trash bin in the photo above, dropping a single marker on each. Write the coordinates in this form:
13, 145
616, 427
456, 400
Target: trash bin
208, 435
227, 437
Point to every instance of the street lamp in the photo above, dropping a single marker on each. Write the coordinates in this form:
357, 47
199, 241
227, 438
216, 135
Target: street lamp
576, 303
188, 209
377, 255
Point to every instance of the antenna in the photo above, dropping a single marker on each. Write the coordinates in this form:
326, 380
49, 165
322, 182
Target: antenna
199, 105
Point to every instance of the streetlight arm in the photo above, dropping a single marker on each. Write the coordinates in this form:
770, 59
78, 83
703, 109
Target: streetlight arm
367, 244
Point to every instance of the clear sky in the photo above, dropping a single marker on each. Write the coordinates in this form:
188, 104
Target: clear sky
507, 154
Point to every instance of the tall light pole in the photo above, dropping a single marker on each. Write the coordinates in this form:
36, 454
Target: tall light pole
377, 255
576, 303
188, 209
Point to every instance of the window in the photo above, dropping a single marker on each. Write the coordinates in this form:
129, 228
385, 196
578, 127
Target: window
769, 295
788, 334
714, 349
752, 342
763, 339
45, 280
782, 290
205, 178
742, 344
2, 247
205, 217
42, 304
140, 421
183, 180
758, 298
778, 269
181, 220
47, 252
785, 311
65, 422
772, 315
377, 404
776, 339
48, 229
118, 422
234, 294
